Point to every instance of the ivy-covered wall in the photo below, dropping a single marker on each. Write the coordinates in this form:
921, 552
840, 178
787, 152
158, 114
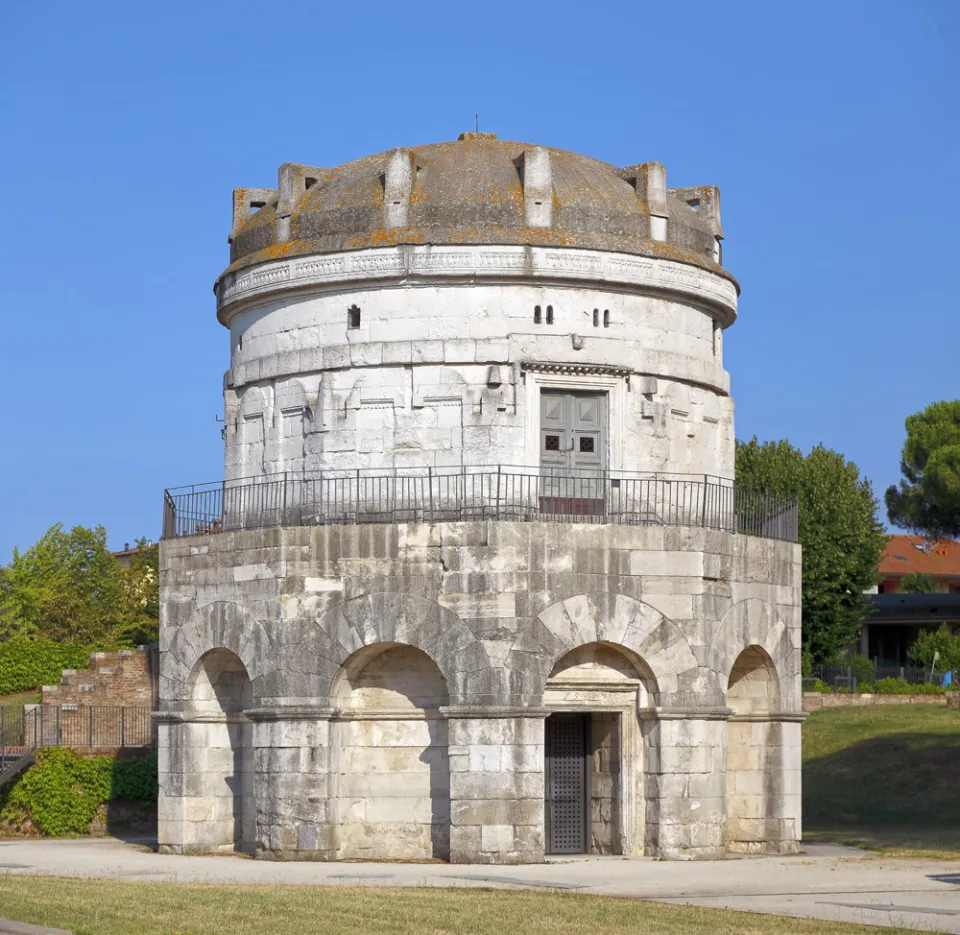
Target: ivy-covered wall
62, 793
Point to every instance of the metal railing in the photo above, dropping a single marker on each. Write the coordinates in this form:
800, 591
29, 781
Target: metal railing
30, 727
517, 494
846, 676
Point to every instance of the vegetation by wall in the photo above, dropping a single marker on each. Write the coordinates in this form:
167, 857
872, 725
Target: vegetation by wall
62, 793
27, 664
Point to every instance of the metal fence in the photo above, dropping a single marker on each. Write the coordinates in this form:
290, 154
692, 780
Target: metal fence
846, 676
500, 492
30, 727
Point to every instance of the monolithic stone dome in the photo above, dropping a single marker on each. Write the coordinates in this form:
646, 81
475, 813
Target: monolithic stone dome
478, 190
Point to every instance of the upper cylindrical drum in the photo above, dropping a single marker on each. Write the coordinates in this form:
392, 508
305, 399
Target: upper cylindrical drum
477, 303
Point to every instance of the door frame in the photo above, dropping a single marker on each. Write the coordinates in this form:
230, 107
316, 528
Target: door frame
614, 385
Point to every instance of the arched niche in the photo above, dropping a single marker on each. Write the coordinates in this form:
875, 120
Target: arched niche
754, 756
595, 693
220, 744
393, 780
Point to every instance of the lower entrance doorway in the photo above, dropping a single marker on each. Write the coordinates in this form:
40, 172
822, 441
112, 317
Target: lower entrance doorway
566, 787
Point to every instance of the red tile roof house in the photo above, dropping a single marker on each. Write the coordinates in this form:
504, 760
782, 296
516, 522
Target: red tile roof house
898, 619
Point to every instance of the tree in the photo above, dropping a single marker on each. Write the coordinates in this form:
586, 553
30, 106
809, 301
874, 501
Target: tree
940, 641
927, 499
917, 583
140, 622
65, 587
841, 538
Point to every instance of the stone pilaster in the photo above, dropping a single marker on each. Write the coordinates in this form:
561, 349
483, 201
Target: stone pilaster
684, 783
292, 761
496, 785
205, 777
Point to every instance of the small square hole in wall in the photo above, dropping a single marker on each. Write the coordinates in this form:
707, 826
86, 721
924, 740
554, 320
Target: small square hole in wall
353, 317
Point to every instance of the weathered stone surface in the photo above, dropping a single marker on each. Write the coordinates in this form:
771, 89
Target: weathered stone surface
337, 683
384, 724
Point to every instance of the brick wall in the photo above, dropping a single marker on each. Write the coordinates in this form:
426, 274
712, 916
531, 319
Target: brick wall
119, 678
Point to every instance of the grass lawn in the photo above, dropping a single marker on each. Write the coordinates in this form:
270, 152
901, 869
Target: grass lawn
103, 907
885, 777
18, 699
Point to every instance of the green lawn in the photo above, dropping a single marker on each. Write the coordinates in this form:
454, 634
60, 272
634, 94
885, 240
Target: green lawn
884, 776
101, 907
18, 699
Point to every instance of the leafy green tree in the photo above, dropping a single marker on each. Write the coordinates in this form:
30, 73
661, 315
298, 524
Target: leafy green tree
65, 587
140, 622
917, 583
841, 538
936, 641
927, 499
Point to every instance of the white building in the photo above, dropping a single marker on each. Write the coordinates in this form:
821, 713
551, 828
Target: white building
478, 584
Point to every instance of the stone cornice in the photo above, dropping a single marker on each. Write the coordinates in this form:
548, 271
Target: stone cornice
429, 263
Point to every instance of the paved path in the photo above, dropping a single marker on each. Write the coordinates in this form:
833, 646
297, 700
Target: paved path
834, 883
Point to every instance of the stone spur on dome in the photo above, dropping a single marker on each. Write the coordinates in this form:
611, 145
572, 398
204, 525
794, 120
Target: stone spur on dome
479, 584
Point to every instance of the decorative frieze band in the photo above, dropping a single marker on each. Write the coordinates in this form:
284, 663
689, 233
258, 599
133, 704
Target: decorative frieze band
537, 262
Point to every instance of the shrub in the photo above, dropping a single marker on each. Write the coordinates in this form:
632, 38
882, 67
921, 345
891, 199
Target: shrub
900, 686
936, 641
822, 687
862, 669
61, 792
865, 688
895, 686
27, 664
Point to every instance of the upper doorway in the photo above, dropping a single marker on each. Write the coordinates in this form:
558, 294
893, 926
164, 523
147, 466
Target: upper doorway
573, 451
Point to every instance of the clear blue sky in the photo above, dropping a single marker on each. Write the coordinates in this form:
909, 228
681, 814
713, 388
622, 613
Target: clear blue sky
830, 127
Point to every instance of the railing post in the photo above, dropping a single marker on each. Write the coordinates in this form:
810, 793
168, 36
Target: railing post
499, 469
57, 737
90, 727
122, 731
430, 490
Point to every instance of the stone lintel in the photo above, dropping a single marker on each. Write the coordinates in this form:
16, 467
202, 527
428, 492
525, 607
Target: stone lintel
291, 713
472, 712
686, 714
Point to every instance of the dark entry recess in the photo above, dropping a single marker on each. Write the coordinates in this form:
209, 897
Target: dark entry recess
565, 789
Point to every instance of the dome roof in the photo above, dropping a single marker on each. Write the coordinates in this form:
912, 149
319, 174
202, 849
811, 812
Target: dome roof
478, 190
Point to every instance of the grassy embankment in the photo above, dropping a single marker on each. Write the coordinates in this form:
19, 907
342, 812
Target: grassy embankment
884, 777
102, 907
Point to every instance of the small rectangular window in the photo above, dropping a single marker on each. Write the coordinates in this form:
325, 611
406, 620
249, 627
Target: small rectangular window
596, 317
549, 314
606, 318
353, 317
552, 443
536, 314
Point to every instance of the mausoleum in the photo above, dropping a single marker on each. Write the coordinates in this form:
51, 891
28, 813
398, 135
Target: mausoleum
479, 583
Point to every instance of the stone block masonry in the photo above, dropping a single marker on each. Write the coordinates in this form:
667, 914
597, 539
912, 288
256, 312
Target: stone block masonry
346, 692
623, 679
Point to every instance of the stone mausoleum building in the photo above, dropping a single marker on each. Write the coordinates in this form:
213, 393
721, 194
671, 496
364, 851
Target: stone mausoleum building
479, 584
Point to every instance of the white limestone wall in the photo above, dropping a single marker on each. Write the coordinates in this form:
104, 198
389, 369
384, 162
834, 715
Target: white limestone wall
446, 375
393, 794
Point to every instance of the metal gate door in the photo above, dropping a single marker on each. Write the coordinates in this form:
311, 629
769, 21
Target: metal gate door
566, 784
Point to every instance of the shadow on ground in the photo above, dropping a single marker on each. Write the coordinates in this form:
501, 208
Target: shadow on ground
898, 791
